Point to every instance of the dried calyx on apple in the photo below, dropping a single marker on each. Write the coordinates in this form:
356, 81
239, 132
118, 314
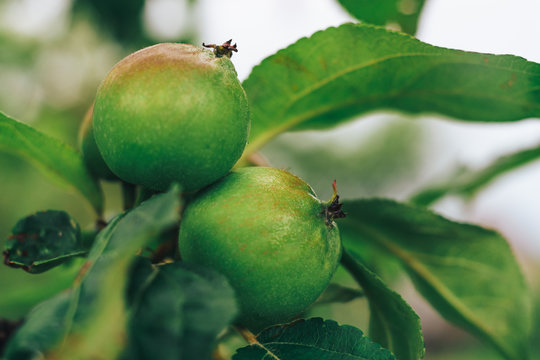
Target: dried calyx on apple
171, 113
269, 234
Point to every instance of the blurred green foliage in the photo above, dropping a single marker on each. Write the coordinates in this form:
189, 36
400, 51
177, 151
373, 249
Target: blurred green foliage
121, 18
379, 157
383, 162
49, 81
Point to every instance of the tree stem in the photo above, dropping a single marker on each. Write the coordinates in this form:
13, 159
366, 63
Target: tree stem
129, 192
247, 335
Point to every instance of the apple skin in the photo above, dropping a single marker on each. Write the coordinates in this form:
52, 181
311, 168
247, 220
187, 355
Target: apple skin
90, 152
265, 230
171, 113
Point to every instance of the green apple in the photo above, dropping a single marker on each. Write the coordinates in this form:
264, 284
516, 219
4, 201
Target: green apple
267, 232
89, 150
171, 113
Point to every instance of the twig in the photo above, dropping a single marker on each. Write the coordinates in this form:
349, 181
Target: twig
129, 192
247, 335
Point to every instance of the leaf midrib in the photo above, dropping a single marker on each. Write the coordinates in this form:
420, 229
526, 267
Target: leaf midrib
264, 137
310, 89
288, 343
424, 273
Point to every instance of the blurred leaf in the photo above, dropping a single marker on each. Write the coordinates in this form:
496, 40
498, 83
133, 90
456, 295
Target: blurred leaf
42, 329
7, 328
393, 323
96, 323
178, 311
313, 339
343, 72
467, 273
336, 293
22, 291
469, 182
377, 260
55, 158
122, 18
404, 13
22, 50
44, 240
385, 152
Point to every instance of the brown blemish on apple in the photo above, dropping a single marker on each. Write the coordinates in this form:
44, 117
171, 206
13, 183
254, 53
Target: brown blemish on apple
162, 57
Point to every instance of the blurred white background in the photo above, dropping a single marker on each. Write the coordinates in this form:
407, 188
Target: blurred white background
511, 204
260, 28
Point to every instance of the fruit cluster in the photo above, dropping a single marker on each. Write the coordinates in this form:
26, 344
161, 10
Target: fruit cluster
177, 113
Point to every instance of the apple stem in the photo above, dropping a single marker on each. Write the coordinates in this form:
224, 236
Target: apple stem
332, 208
129, 192
247, 335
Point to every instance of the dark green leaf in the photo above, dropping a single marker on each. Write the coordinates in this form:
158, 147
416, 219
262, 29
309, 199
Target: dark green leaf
343, 72
468, 182
336, 293
57, 159
313, 339
42, 329
374, 258
404, 13
467, 273
178, 311
393, 323
95, 321
121, 18
7, 329
44, 240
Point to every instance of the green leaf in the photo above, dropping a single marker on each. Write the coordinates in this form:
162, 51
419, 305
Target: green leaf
371, 256
178, 311
121, 18
313, 339
393, 323
96, 322
44, 240
55, 158
468, 182
343, 72
336, 293
404, 13
94, 325
42, 329
467, 273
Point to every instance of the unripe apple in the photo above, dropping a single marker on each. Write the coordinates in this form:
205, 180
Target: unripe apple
171, 113
89, 150
267, 232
